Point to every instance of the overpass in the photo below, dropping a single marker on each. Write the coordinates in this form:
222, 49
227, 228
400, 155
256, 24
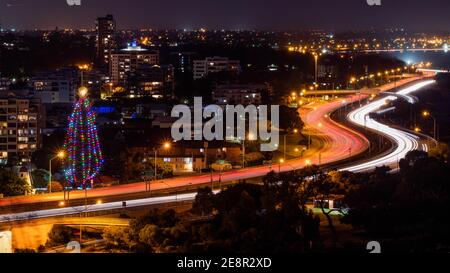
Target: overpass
93, 221
433, 70
401, 50
111, 207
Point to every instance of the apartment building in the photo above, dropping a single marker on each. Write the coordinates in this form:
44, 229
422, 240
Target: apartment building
19, 128
213, 65
129, 60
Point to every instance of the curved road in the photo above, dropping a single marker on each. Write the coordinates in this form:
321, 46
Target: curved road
340, 143
404, 141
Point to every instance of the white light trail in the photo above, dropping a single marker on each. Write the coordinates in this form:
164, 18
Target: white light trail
94, 208
404, 141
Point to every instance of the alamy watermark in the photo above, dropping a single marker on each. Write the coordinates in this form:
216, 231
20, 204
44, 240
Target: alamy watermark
374, 2
228, 123
73, 2
374, 247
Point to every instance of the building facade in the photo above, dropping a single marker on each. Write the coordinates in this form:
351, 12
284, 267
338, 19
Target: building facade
56, 87
128, 60
4, 83
19, 128
243, 94
213, 65
151, 80
183, 62
105, 44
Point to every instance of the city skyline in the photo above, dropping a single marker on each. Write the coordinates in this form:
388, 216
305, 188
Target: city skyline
212, 127
245, 15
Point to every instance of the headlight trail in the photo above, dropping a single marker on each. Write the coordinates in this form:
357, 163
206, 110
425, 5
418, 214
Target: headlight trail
404, 141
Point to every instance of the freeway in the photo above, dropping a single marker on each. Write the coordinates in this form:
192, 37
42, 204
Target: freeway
404, 141
340, 144
338, 141
6, 218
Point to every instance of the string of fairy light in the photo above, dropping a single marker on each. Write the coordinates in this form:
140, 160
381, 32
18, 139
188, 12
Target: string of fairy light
85, 157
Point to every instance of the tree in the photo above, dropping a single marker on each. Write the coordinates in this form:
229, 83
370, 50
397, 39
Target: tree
442, 152
57, 187
326, 187
59, 235
204, 202
39, 179
119, 237
11, 184
151, 235
410, 207
85, 157
290, 119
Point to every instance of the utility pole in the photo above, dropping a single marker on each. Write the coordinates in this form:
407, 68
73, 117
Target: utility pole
243, 153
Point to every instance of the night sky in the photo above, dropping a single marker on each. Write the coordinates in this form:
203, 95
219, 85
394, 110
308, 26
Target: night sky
426, 15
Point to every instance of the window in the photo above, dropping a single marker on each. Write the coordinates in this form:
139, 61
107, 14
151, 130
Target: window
22, 146
22, 118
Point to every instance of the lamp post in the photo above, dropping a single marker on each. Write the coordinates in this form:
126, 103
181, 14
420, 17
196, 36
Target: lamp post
170, 187
427, 114
166, 146
250, 137
294, 131
316, 59
243, 153
61, 156
279, 165
82, 68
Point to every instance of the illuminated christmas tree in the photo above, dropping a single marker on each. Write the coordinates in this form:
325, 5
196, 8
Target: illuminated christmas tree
82, 145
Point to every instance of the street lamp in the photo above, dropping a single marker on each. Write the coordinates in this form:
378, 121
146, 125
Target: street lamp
279, 165
61, 155
166, 146
427, 114
316, 59
295, 131
250, 137
82, 68
110, 88
170, 187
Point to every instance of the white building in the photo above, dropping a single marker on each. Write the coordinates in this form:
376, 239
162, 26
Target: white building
244, 94
4, 83
56, 87
214, 64
6, 242
128, 60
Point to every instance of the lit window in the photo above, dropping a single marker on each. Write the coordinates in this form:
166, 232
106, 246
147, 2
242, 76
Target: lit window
22, 146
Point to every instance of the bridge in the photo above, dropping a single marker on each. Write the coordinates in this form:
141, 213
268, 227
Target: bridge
433, 70
401, 50
92, 221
